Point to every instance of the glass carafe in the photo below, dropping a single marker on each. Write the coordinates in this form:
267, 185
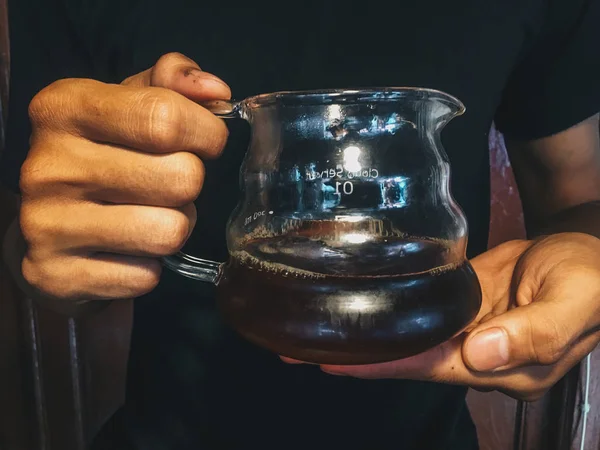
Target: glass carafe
346, 246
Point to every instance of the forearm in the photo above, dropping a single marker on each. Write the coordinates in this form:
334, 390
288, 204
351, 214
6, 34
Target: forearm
584, 218
557, 172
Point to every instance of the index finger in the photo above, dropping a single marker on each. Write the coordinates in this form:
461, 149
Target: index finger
151, 119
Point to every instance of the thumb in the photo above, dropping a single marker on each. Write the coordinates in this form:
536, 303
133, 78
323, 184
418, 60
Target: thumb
181, 74
536, 334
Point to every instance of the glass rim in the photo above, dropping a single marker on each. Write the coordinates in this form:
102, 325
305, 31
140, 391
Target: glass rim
358, 95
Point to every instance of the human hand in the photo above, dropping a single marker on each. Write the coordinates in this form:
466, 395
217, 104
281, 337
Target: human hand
540, 316
111, 176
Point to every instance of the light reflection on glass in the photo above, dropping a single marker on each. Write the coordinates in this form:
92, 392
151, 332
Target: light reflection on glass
422, 320
359, 303
354, 238
334, 112
351, 219
351, 156
393, 192
331, 199
295, 175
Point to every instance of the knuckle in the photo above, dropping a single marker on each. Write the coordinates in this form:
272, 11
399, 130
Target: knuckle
31, 273
45, 226
48, 106
38, 106
550, 343
42, 275
41, 170
162, 117
31, 176
148, 279
187, 178
162, 70
32, 227
216, 138
170, 59
174, 232
44, 101
130, 79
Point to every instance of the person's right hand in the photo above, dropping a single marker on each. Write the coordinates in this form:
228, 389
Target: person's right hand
111, 176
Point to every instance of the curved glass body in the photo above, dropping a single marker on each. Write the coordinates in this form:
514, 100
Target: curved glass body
346, 246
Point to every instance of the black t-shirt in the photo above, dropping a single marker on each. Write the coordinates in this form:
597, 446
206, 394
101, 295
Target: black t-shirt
531, 65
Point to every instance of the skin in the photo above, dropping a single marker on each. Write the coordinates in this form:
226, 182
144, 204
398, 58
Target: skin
541, 297
94, 228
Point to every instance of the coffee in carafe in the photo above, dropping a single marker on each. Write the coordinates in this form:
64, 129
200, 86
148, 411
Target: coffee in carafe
346, 246
324, 316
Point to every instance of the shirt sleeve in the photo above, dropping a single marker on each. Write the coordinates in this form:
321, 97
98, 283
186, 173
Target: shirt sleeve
557, 85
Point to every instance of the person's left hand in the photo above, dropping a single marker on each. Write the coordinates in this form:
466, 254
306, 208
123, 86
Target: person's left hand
540, 316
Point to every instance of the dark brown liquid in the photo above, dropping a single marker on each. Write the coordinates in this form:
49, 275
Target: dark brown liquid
329, 315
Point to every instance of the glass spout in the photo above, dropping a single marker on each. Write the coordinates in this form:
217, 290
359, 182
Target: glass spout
443, 108
225, 109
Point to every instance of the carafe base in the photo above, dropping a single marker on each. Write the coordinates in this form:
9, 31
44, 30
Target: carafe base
349, 320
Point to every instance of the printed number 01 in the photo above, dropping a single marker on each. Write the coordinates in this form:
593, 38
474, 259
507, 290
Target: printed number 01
347, 187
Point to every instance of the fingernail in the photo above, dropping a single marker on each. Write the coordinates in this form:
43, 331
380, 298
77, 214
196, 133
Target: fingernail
204, 77
215, 82
488, 350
